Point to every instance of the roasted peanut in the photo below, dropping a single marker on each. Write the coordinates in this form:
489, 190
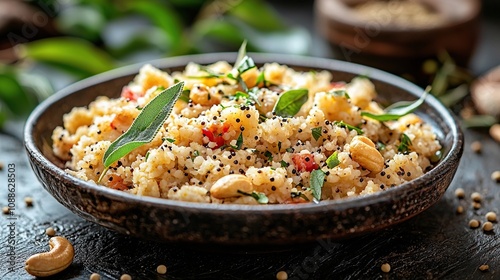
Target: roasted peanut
228, 186
56, 260
363, 151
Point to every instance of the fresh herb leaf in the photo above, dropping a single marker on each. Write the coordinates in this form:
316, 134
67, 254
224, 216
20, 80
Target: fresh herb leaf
299, 194
284, 164
242, 52
269, 155
260, 197
290, 102
195, 155
348, 126
279, 146
316, 182
404, 146
341, 93
333, 160
380, 146
239, 142
138, 107
145, 126
316, 132
185, 95
171, 140
289, 150
245, 65
146, 157
398, 109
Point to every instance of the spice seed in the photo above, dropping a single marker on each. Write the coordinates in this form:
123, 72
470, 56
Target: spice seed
460, 193
95, 276
476, 197
281, 275
476, 147
29, 201
484, 267
161, 269
476, 205
5, 210
1, 166
491, 216
50, 231
460, 210
125, 277
495, 176
474, 223
385, 267
495, 132
488, 226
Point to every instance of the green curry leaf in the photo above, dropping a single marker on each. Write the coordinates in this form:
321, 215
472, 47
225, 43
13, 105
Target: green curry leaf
290, 102
316, 181
398, 109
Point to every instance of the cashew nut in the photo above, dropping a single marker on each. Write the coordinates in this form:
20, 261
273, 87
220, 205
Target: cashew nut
229, 185
363, 151
56, 260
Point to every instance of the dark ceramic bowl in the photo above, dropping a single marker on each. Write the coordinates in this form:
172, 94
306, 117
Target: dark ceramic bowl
168, 220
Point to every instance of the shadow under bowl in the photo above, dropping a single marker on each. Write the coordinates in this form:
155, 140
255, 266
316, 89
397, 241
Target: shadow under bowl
169, 220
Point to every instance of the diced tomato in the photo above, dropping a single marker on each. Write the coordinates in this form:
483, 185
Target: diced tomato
304, 162
128, 94
215, 134
336, 85
116, 182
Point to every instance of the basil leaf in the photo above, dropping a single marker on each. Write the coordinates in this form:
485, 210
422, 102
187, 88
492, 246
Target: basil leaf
260, 197
299, 194
404, 146
170, 140
316, 132
348, 126
239, 142
398, 109
269, 155
317, 179
284, 163
333, 160
380, 146
145, 126
290, 102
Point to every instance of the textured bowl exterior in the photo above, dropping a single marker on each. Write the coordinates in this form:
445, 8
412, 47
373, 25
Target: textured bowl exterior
168, 220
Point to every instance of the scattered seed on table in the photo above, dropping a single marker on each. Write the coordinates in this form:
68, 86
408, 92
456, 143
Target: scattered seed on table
95, 276
484, 267
6, 210
476, 147
282, 275
460, 210
488, 226
29, 201
491, 216
476, 205
460, 193
161, 269
476, 197
474, 223
50, 231
495, 176
385, 267
125, 277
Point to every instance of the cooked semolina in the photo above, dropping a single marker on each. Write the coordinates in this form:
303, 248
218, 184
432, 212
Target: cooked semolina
221, 129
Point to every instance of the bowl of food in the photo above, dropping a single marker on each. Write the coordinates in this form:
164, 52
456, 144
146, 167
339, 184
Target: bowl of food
276, 149
399, 36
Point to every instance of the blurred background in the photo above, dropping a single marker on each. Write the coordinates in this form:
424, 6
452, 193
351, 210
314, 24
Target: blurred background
48, 44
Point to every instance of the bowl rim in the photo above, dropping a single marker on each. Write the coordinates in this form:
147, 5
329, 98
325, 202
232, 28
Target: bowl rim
236, 209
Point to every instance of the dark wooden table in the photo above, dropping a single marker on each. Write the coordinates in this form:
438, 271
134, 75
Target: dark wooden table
436, 244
